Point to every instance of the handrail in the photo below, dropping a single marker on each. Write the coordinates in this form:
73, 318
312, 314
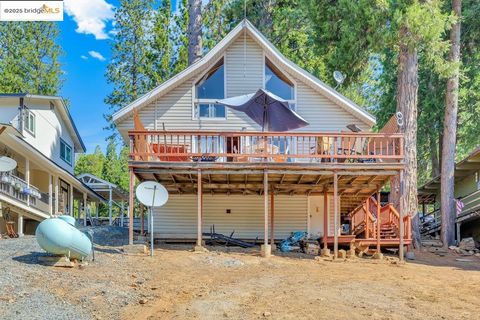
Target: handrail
248, 146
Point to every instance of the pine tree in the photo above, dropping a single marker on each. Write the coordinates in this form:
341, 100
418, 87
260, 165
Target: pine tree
91, 163
112, 169
29, 58
130, 67
180, 37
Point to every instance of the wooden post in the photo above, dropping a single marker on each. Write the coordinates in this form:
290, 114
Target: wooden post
272, 218
27, 178
325, 219
199, 208
84, 209
50, 194
379, 222
20, 225
367, 224
70, 202
55, 183
402, 208
110, 203
131, 205
122, 212
265, 207
336, 213
459, 224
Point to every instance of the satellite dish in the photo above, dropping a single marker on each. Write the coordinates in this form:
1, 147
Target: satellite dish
7, 164
151, 194
339, 77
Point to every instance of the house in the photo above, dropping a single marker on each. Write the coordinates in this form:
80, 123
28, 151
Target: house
40, 135
467, 190
221, 170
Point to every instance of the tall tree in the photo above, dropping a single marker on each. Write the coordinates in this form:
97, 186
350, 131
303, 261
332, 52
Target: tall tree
112, 168
195, 49
91, 163
447, 182
29, 58
130, 66
180, 37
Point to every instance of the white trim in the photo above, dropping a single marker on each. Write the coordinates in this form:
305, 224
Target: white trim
271, 51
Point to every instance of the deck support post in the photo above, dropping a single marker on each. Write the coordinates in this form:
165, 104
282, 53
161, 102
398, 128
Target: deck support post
199, 208
402, 209
379, 222
122, 213
70, 202
110, 204
272, 218
266, 248
27, 178
20, 225
131, 206
325, 219
50, 194
84, 210
336, 214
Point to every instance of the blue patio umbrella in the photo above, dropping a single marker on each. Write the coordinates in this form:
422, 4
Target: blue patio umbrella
266, 109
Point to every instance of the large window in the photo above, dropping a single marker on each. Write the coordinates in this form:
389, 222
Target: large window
30, 121
65, 152
279, 84
207, 91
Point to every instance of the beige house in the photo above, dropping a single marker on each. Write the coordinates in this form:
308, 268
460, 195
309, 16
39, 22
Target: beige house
40, 135
220, 168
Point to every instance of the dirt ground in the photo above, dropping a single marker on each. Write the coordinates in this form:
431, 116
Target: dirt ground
180, 284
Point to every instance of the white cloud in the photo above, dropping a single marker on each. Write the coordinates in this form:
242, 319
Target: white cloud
96, 55
91, 16
84, 57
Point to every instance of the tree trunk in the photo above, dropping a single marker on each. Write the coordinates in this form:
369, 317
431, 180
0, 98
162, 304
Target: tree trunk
434, 157
449, 136
194, 30
407, 91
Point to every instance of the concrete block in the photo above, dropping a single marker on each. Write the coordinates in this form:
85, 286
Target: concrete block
56, 261
325, 252
199, 249
342, 254
377, 255
274, 247
135, 249
266, 250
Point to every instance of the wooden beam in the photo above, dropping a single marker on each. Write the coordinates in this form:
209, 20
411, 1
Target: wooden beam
379, 222
265, 208
336, 213
131, 206
199, 208
401, 213
272, 218
325, 219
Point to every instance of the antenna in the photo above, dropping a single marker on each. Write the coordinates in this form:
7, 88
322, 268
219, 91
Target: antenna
7, 164
151, 194
339, 78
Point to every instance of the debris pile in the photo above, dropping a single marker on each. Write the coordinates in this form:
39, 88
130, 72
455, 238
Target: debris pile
466, 247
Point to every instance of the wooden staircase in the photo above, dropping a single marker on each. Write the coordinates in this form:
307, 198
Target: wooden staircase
365, 224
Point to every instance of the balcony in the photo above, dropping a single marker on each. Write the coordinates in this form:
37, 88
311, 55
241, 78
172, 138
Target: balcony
261, 147
17, 189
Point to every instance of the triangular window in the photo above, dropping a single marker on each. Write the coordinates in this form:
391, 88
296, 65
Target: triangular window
277, 83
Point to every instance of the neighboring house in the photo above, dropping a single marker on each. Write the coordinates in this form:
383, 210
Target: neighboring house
215, 161
39, 134
467, 190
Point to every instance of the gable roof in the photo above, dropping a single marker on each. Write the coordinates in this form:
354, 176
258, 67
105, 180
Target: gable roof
270, 50
64, 113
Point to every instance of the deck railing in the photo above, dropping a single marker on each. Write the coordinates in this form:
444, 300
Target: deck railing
16, 188
206, 146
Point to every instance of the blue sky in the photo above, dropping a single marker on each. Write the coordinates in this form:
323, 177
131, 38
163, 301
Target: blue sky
85, 39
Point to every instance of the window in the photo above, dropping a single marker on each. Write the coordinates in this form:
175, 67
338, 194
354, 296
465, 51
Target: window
30, 121
207, 91
279, 84
65, 152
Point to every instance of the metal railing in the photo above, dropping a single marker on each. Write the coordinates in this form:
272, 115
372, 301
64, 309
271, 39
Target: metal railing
18, 189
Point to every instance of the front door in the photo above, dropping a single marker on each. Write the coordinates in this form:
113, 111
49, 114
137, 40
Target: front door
316, 216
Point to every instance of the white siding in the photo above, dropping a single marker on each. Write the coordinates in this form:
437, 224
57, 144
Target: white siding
244, 68
50, 128
9, 109
178, 218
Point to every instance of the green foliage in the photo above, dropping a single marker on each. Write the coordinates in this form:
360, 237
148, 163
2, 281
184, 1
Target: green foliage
91, 163
29, 58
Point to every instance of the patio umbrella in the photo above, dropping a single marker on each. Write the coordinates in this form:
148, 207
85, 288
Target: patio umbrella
266, 109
